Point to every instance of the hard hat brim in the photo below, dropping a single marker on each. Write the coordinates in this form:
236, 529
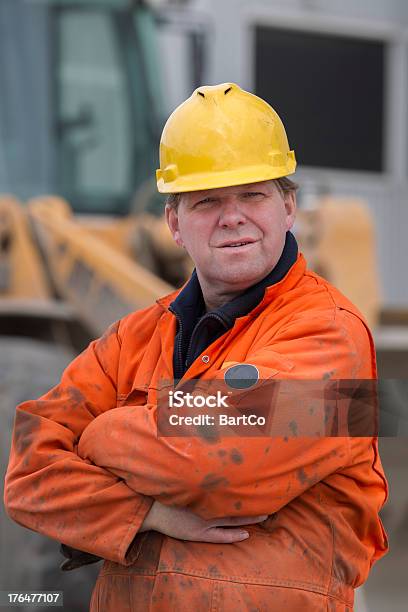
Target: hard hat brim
230, 178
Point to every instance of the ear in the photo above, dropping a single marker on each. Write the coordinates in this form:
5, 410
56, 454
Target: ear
290, 207
172, 222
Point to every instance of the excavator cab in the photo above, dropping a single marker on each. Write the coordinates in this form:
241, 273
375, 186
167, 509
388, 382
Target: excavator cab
108, 105
89, 84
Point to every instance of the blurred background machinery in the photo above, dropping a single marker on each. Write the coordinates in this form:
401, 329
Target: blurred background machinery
86, 86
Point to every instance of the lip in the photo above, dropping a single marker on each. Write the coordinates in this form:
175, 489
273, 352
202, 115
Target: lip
232, 243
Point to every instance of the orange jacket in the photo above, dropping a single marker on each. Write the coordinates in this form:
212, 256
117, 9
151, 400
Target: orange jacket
86, 475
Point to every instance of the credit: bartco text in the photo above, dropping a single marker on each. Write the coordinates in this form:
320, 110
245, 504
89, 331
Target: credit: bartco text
220, 420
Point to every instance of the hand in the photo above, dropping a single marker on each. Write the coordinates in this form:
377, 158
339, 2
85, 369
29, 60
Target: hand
183, 524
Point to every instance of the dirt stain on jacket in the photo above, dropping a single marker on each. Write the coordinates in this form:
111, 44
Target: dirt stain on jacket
212, 481
236, 456
27, 426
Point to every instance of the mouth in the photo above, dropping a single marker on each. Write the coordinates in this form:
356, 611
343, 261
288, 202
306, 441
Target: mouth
236, 244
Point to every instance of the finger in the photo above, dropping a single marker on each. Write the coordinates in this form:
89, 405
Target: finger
236, 521
217, 535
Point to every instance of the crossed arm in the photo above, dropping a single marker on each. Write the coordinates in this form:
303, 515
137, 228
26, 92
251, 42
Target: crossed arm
88, 475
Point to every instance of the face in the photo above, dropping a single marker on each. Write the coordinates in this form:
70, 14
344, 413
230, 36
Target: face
234, 235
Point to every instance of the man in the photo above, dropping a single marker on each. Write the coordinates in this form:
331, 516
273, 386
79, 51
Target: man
202, 520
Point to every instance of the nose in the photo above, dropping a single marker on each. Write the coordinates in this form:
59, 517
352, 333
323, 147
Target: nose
231, 214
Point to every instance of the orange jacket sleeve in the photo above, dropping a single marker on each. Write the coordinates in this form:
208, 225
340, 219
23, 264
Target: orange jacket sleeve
52, 490
244, 476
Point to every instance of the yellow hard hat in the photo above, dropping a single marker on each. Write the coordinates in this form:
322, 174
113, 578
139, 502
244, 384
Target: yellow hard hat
219, 137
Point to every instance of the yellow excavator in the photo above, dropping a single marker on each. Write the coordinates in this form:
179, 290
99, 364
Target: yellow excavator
82, 119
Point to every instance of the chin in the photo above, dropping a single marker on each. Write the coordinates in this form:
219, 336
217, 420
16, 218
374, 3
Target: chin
242, 279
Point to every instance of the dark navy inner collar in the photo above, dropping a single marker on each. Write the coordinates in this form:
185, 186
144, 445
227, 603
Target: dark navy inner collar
189, 305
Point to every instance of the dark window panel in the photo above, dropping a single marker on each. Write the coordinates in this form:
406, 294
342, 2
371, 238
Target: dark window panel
329, 92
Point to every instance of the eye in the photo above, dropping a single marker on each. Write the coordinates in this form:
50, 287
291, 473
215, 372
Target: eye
257, 196
204, 201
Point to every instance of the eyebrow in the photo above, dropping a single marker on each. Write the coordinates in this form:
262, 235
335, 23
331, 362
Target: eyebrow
203, 195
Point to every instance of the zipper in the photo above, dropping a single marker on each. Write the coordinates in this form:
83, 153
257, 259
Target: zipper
215, 316
179, 337
181, 367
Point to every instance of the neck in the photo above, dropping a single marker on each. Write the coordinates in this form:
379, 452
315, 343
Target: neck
217, 301
214, 297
